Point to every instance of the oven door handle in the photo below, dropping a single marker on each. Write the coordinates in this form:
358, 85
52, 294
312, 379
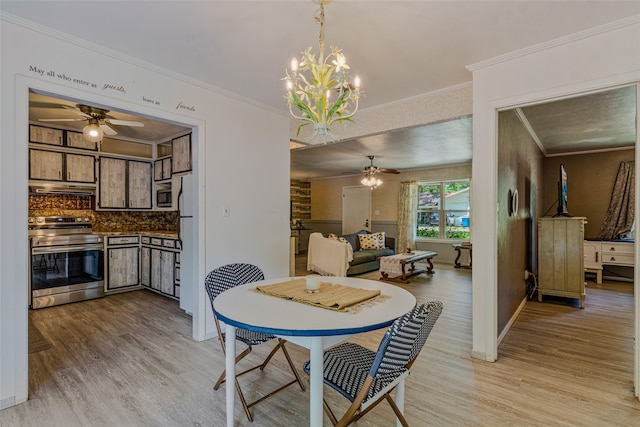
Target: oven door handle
61, 249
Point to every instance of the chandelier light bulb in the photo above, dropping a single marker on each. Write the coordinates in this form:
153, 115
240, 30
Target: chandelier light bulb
294, 65
356, 82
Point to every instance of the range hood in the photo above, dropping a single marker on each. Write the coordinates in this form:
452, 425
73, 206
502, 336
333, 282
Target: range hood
60, 188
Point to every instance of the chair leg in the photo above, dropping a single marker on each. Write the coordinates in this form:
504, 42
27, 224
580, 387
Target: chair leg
292, 366
222, 377
397, 411
279, 346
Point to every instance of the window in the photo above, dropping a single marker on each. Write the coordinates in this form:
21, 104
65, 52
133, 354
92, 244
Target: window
443, 210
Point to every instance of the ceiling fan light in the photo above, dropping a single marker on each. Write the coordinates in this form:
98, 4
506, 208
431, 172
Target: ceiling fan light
92, 132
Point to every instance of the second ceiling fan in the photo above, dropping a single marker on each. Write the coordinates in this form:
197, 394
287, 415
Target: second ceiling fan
373, 169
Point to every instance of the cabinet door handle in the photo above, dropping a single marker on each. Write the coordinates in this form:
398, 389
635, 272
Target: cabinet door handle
596, 256
69, 176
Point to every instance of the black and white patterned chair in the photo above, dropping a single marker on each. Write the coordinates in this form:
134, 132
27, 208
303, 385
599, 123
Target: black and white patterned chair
366, 377
218, 281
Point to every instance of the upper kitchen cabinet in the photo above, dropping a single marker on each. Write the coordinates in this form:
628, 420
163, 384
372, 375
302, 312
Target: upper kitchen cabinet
162, 169
58, 166
181, 150
46, 165
80, 168
112, 183
45, 135
124, 184
139, 182
76, 140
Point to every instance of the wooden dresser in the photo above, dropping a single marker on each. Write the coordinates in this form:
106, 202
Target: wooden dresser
561, 257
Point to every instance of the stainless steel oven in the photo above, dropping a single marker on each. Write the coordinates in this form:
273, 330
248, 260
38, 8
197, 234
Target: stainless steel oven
66, 261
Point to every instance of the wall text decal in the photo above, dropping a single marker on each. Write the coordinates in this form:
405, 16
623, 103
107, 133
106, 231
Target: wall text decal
52, 73
182, 106
114, 87
150, 101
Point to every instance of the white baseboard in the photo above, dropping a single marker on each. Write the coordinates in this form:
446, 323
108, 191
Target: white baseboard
512, 320
7, 402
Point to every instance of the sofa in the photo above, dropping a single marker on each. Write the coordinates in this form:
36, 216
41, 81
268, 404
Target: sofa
343, 255
365, 260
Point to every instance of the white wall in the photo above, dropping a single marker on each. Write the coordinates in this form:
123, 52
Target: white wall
241, 160
599, 58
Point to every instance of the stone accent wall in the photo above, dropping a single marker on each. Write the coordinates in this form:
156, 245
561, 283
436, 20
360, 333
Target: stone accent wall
103, 221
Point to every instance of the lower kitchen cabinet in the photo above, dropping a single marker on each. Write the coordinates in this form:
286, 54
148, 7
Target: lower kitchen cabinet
158, 261
145, 265
122, 262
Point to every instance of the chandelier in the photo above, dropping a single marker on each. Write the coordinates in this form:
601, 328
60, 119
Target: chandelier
318, 90
370, 180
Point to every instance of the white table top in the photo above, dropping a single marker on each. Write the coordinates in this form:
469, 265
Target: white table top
246, 308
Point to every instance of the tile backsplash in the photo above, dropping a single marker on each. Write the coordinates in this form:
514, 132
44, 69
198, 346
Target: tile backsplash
103, 221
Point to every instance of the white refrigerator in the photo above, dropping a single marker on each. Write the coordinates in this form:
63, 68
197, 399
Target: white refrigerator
186, 209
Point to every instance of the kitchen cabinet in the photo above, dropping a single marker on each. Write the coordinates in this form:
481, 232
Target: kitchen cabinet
160, 262
112, 183
123, 254
80, 168
145, 265
139, 182
162, 169
181, 153
45, 135
561, 257
59, 166
124, 184
76, 140
46, 165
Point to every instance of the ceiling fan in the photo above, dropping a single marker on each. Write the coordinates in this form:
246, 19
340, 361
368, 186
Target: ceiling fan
97, 117
373, 169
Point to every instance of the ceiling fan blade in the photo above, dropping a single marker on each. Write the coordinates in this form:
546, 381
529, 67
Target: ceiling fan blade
60, 120
108, 130
382, 170
75, 110
125, 122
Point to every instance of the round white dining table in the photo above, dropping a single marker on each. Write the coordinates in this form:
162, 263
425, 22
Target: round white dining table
311, 327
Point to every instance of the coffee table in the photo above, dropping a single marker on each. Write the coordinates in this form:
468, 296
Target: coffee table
396, 264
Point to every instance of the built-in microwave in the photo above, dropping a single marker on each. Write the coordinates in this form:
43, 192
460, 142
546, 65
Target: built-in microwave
163, 198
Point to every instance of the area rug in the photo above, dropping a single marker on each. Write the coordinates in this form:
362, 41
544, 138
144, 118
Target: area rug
37, 342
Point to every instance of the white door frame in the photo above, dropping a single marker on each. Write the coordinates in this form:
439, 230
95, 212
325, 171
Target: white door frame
23, 85
488, 319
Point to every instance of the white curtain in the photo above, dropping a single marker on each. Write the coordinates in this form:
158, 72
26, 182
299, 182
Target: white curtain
407, 215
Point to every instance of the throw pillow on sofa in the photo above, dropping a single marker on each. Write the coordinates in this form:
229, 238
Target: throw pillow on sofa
371, 241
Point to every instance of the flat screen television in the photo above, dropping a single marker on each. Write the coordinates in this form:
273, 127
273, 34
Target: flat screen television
562, 193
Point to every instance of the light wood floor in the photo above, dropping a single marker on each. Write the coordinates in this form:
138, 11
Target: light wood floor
128, 360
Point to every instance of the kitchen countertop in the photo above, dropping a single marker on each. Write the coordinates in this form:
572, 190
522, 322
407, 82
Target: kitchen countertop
167, 234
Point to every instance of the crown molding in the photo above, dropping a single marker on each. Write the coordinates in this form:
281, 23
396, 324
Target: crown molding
581, 35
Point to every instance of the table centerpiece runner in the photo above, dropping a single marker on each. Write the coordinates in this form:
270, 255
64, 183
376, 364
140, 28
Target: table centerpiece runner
331, 296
